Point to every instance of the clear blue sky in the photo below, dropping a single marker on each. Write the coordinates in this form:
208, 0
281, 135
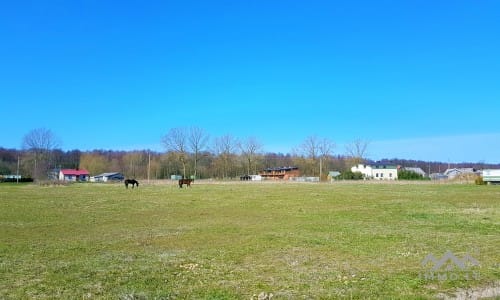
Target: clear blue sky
418, 79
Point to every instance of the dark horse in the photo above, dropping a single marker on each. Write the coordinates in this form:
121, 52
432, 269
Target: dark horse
185, 181
132, 182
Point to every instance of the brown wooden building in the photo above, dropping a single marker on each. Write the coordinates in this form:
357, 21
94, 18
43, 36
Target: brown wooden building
280, 173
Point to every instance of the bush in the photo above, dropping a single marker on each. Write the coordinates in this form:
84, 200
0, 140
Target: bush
479, 180
409, 175
23, 179
350, 175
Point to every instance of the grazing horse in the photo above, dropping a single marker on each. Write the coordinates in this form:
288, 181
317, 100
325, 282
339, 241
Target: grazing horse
185, 181
132, 182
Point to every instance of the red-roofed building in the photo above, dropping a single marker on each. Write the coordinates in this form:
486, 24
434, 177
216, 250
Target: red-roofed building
74, 175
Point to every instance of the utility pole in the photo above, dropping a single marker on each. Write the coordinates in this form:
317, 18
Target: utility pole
149, 164
320, 167
17, 173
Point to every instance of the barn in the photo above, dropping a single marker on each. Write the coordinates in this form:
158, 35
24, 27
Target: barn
105, 177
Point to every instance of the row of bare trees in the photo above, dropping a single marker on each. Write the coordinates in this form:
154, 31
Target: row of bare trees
189, 151
226, 156
192, 143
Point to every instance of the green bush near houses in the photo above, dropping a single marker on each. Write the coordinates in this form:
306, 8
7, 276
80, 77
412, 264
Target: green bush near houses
350, 175
410, 175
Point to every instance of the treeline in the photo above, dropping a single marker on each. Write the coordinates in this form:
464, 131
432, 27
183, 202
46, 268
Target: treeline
204, 164
155, 165
189, 151
430, 167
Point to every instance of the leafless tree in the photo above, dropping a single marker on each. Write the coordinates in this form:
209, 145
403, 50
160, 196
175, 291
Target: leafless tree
135, 163
325, 150
315, 149
310, 147
39, 144
224, 148
198, 140
176, 140
357, 150
249, 149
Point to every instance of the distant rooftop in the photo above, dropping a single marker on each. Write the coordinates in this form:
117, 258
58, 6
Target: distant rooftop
74, 172
289, 168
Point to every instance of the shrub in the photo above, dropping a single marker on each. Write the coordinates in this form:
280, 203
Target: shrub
22, 179
350, 175
409, 175
479, 180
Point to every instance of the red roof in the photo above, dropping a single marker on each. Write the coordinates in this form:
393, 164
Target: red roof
74, 172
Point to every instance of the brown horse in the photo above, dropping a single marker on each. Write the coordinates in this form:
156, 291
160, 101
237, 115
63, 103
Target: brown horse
132, 182
185, 181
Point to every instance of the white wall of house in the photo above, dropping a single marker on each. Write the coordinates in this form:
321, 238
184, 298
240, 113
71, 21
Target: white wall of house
66, 177
377, 173
97, 179
366, 170
385, 174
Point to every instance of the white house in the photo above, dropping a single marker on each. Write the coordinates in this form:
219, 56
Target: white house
377, 171
105, 177
73, 175
366, 170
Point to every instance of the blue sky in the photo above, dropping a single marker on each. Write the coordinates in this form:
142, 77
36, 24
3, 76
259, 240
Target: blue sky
417, 79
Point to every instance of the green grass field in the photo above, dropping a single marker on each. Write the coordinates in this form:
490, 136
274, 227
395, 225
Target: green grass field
238, 240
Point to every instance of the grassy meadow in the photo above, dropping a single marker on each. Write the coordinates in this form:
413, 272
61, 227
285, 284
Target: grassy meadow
239, 240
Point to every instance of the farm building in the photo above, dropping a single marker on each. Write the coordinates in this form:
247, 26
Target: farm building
377, 171
332, 174
105, 177
454, 172
73, 175
438, 176
491, 176
280, 173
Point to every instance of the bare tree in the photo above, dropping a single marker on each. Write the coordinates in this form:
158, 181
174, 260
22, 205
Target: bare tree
310, 150
325, 149
176, 140
39, 144
316, 149
198, 139
135, 163
357, 150
249, 149
224, 148
310, 147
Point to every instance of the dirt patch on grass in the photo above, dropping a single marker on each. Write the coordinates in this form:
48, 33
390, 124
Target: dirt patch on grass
488, 292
